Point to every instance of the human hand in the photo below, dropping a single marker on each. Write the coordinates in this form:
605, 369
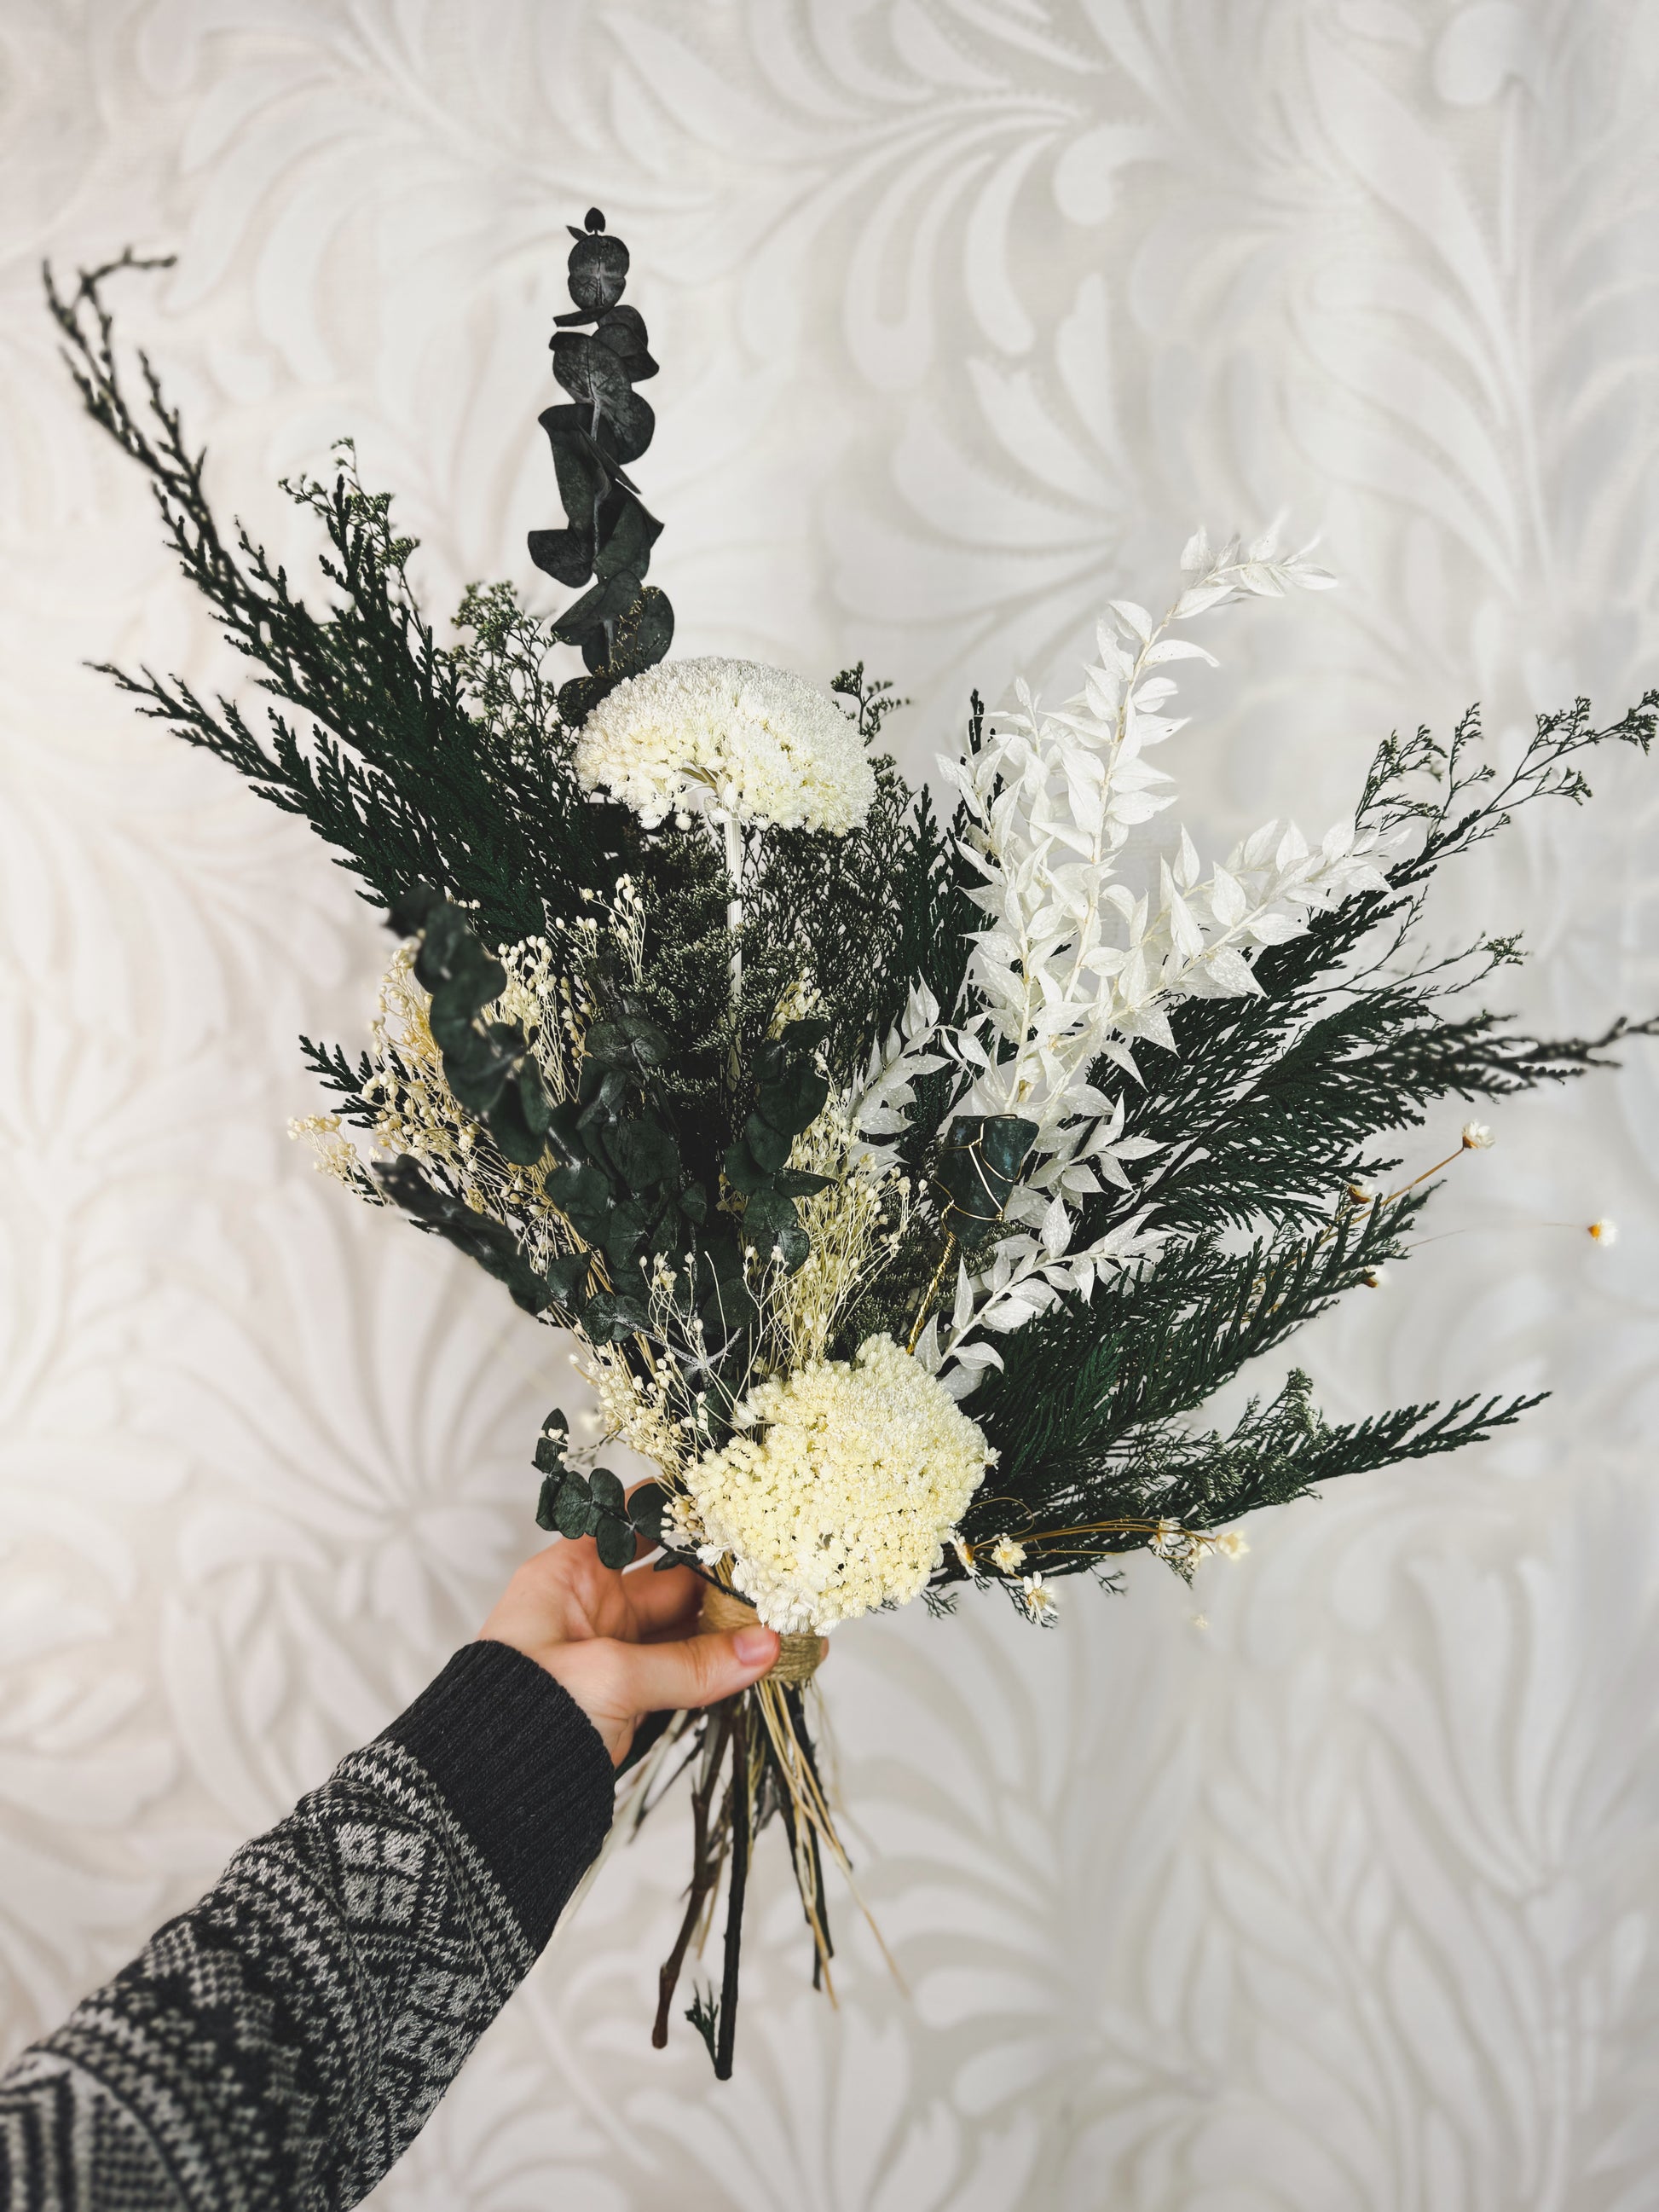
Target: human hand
623, 1644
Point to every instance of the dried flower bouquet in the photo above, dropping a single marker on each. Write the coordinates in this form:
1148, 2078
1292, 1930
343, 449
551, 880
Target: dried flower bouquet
911, 1171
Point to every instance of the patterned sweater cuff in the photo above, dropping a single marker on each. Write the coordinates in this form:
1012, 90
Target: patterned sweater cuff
523, 1770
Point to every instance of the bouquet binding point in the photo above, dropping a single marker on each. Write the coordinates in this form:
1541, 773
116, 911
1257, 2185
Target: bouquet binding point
912, 1173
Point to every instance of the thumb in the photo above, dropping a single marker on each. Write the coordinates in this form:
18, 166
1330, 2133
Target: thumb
700, 1671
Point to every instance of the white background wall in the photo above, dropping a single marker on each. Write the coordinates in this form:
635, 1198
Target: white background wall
967, 309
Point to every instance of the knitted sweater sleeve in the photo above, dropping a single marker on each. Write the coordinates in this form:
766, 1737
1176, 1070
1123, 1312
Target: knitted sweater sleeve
276, 2048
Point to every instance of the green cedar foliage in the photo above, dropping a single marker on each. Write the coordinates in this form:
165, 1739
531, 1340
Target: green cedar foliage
419, 763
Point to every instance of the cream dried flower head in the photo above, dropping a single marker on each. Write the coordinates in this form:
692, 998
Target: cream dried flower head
734, 738
842, 1496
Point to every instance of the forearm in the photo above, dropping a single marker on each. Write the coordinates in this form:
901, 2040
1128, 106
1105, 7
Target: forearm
282, 2044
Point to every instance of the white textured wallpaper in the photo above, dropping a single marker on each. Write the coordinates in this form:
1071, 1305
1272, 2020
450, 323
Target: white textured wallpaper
968, 310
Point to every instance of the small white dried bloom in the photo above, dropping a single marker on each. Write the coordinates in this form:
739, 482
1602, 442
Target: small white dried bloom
1605, 1232
1041, 1599
1477, 1137
1007, 1554
1231, 1543
1375, 1279
1177, 1547
682, 1531
1362, 1193
735, 738
842, 1488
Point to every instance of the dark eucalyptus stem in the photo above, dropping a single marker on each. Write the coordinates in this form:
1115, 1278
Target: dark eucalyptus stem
707, 1858
819, 1904
621, 623
740, 1825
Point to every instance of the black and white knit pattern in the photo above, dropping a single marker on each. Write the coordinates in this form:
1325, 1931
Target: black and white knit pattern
282, 2044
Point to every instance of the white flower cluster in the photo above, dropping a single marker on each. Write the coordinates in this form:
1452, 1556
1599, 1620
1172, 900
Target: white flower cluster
845, 1493
733, 739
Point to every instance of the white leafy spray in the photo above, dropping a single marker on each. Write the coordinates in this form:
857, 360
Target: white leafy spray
1074, 965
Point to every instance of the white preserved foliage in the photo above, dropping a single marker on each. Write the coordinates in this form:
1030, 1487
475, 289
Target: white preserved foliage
736, 740
1074, 965
877, 1103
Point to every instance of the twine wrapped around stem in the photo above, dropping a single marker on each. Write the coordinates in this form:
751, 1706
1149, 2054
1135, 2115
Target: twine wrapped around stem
799, 1657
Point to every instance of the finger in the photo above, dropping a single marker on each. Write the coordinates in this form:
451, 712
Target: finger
657, 1678
665, 1600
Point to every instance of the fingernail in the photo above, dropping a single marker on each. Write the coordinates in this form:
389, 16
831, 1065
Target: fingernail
754, 1644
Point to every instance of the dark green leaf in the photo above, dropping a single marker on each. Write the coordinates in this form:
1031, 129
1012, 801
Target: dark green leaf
743, 1171
611, 1316
795, 1102
571, 1507
587, 371
586, 617
626, 1234
768, 1147
798, 1183
549, 1455
410, 914
979, 1165
728, 1305
805, 1037
567, 1276
509, 1126
792, 1245
607, 1490
766, 1212
627, 544
537, 1107
564, 554
546, 1505
615, 1541
625, 427
598, 270
623, 331
645, 1153
629, 1040
645, 633
584, 478
583, 1196
645, 1510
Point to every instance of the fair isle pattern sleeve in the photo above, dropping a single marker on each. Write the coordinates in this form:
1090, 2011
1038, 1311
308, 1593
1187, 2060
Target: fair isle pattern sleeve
281, 2045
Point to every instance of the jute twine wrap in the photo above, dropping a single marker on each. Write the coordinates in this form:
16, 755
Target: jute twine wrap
799, 1656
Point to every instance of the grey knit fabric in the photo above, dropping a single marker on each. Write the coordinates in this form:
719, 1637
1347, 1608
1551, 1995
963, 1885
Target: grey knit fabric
282, 2044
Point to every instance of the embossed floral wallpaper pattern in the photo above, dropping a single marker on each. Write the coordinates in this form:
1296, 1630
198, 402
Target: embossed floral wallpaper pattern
1345, 1902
